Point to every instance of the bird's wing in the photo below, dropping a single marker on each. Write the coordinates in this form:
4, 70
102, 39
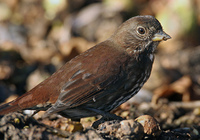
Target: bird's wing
81, 90
85, 86
89, 82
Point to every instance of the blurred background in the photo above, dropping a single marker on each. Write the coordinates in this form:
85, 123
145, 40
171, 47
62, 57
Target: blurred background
38, 36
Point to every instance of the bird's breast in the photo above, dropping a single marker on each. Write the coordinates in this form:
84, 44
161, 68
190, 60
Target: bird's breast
138, 71
135, 74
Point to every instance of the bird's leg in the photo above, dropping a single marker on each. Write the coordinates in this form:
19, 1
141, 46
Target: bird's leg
35, 112
76, 120
106, 115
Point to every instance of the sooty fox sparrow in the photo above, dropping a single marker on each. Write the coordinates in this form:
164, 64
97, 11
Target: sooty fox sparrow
100, 79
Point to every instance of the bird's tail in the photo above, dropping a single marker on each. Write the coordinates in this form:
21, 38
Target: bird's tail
7, 108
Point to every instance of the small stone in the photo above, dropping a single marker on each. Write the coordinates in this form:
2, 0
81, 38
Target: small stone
125, 129
151, 126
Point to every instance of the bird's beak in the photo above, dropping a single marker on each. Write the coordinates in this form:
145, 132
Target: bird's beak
160, 36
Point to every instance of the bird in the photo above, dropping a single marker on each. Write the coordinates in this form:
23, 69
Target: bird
100, 79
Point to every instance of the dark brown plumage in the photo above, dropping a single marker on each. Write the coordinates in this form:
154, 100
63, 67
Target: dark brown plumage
100, 79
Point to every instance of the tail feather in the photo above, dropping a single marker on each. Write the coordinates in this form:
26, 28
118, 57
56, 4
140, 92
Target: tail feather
7, 108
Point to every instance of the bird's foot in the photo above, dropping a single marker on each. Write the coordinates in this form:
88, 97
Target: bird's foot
107, 116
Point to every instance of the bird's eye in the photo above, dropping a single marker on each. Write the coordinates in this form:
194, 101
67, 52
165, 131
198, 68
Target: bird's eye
141, 30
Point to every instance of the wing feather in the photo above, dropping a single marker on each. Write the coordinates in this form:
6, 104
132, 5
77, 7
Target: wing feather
82, 91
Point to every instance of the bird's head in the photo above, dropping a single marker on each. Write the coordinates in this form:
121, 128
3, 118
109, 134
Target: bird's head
140, 33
